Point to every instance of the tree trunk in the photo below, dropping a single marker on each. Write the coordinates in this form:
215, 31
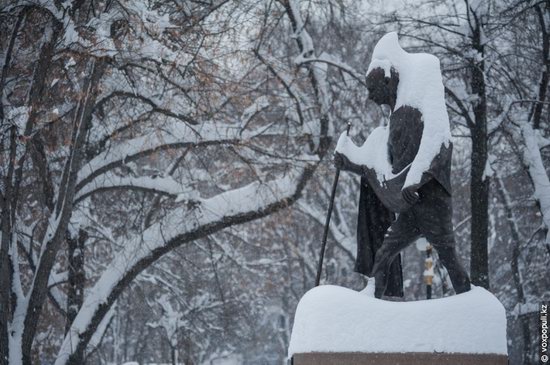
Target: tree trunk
479, 198
514, 263
479, 183
174, 355
536, 113
77, 276
63, 210
5, 266
6, 206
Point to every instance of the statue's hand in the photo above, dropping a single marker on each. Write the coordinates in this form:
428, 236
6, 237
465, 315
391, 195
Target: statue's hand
341, 162
410, 194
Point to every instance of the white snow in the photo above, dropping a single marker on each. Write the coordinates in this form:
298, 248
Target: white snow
479, 7
384, 64
257, 106
301, 33
170, 321
71, 62
18, 116
252, 197
175, 134
373, 153
532, 159
335, 319
421, 87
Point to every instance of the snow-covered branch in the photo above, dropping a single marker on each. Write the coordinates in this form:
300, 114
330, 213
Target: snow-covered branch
332, 61
177, 135
533, 161
232, 207
497, 122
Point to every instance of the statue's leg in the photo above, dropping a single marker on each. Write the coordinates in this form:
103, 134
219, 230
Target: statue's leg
434, 216
400, 234
449, 259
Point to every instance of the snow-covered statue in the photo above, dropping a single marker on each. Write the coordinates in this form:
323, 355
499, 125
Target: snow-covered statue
405, 169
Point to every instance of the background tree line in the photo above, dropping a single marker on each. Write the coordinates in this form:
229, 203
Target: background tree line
166, 166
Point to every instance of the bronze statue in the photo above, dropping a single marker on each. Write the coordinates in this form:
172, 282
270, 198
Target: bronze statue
414, 198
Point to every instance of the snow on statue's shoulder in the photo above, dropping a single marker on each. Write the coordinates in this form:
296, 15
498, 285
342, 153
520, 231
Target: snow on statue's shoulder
335, 319
421, 87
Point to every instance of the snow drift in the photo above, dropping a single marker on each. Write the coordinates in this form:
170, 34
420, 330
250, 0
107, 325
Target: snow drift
335, 319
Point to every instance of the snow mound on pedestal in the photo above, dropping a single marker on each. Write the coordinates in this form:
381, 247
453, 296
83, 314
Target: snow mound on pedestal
335, 319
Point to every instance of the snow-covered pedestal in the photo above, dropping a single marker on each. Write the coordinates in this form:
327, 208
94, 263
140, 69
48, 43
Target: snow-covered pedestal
338, 325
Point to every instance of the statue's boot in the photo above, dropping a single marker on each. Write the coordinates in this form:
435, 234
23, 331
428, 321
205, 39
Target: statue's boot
381, 282
395, 240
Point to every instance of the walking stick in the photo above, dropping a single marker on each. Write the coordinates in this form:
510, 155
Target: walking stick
327, 222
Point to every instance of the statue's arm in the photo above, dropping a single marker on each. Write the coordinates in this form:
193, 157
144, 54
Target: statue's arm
409, 142
343, 163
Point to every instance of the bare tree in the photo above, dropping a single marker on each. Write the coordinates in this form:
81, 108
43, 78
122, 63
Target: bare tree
176, 103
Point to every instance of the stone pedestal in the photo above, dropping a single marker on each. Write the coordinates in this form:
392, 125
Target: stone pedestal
410, 358
335, 325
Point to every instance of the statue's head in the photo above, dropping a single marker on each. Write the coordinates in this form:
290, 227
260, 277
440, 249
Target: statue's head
382, 88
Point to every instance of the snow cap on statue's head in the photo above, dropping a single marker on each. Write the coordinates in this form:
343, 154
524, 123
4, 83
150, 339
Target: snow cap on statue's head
387, 53
421, 87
